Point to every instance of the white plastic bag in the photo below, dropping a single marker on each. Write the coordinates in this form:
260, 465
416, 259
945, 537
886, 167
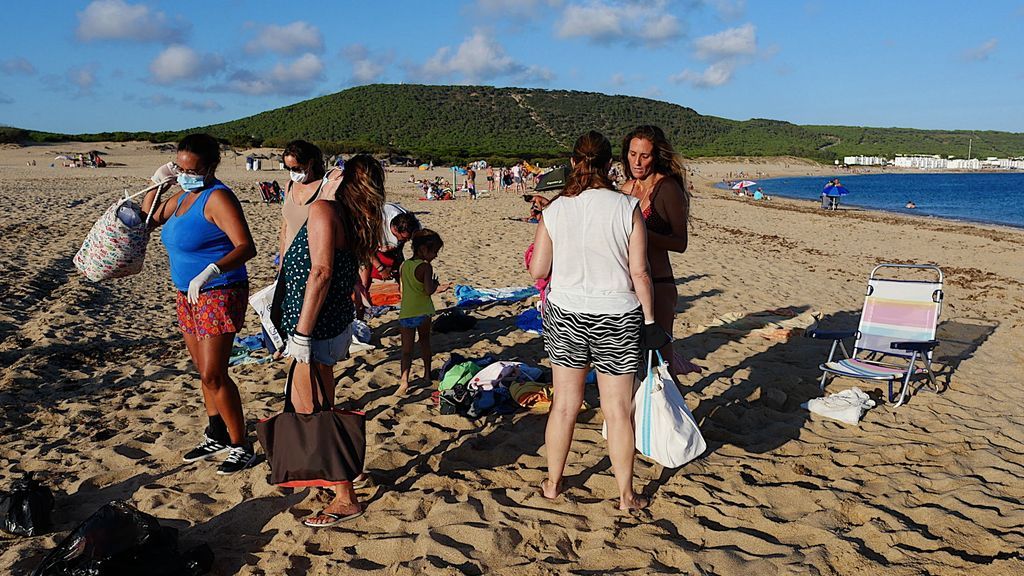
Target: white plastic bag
665, 429
262, 301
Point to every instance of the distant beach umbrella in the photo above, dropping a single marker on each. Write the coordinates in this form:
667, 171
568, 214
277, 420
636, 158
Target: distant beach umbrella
831, 190
744, 184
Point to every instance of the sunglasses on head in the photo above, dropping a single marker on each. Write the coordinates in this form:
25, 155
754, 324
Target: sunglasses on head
180, 170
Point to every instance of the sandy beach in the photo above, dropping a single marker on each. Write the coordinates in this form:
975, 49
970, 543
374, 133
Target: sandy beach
99, 397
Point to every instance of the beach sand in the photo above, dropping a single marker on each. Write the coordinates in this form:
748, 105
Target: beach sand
98, 396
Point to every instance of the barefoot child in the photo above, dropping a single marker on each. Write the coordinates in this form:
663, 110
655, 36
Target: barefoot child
417, 281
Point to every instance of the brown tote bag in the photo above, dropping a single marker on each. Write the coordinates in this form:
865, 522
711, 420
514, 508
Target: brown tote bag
324, 448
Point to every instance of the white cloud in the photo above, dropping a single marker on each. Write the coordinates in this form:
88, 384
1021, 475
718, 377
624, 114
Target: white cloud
82, 78
17, 66
536, 75
165, 101
177, 63
478, 58
298, 77
367, 68
979, 53
295, 38
606, 21
714, 75
118, 20
617, 80
741, 41
208, 105
724, 52
729, 9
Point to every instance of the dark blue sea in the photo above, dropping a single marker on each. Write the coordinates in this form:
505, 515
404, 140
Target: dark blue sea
994, 198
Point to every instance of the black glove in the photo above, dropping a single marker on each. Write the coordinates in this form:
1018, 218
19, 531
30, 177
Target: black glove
653, 337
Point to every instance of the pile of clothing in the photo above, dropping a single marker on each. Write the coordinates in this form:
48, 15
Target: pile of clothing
485, 386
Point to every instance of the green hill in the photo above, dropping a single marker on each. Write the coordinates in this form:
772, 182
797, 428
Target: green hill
456, 123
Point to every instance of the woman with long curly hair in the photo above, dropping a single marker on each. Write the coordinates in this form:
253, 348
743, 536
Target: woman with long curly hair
320, 270
657, 179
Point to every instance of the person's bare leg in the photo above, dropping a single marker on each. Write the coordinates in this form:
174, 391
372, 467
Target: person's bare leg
192, 344
426, 354
665, 297
408, 345
567, 397
617, 406
212, 362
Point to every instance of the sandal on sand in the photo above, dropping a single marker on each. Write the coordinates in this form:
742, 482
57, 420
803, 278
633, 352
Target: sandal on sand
335, 519
361, 481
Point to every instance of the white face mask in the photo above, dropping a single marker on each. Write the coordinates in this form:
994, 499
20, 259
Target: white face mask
298, 177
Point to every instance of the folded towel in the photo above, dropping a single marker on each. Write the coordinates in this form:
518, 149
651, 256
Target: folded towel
846, 406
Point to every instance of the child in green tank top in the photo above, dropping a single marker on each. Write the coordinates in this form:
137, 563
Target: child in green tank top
418, 283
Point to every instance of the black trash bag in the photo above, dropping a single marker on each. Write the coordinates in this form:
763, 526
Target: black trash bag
118, 540
453, 321
26, 510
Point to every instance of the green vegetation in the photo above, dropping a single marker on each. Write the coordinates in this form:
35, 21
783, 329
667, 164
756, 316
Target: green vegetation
449, 124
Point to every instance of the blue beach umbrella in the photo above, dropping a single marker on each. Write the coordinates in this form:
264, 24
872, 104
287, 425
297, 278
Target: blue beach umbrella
832, 190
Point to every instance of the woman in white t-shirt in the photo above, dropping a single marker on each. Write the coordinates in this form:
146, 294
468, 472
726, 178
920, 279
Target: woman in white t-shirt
592, 242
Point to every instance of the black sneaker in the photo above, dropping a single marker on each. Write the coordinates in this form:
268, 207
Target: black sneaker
208, 447
239, 458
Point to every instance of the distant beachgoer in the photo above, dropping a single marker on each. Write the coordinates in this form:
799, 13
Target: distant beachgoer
910, 204
471, 182
320, 270
418, 283
490, 179
592, 242
208, 243
657, 179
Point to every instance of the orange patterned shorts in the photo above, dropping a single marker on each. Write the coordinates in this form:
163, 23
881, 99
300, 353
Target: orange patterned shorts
219, 311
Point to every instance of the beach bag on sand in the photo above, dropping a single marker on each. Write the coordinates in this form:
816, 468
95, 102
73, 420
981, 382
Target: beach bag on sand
665, 429
324, 448
116, 245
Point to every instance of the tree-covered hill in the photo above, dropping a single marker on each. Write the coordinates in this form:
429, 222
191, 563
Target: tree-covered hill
458, 123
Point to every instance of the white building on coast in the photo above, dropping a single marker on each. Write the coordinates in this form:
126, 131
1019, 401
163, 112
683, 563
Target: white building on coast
864, 161
936, 162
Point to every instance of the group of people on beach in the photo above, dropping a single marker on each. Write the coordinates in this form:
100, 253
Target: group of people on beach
604, 251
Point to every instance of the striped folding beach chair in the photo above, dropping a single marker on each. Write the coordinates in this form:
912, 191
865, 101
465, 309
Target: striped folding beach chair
897, 329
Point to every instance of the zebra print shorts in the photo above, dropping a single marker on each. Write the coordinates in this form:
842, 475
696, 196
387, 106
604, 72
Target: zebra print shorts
610, 342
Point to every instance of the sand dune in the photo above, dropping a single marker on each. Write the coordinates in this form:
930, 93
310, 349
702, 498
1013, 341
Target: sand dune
98, 395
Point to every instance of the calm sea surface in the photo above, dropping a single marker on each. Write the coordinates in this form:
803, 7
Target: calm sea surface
996, 198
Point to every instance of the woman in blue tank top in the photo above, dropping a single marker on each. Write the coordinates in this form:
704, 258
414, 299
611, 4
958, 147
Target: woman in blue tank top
208, 243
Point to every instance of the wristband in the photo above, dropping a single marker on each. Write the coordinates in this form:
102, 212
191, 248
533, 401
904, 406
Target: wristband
300, 334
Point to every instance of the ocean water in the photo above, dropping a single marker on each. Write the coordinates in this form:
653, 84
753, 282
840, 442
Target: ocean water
995, 198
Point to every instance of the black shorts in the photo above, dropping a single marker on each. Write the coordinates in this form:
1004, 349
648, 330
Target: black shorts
609, 342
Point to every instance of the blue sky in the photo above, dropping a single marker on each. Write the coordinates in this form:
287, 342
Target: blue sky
109, 65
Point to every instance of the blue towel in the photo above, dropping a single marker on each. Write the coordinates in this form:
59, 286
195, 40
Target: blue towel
530, 321
468, 296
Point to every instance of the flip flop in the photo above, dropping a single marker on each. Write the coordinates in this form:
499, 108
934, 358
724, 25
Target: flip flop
335, 519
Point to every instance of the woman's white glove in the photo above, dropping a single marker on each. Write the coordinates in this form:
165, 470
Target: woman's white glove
199, 281
165, 173
299, 347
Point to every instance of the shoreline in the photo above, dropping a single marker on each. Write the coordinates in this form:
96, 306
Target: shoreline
856, 208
